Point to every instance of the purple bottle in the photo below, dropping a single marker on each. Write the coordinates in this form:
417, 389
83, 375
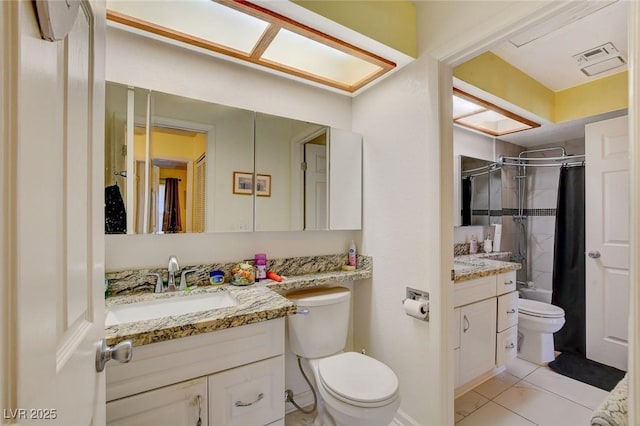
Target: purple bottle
260, 261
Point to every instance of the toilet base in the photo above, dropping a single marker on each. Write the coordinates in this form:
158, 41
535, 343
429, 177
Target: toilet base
536, 347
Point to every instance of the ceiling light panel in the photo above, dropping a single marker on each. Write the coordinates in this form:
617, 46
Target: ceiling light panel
307, 55
493, 122
202, 19
462, 107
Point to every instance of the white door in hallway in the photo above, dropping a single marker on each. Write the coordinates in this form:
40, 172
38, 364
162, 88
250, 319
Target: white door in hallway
607, 241
315, 184
53, 205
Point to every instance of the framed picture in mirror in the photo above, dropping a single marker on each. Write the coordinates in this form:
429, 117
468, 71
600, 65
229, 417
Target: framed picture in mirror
242, 183
263, 185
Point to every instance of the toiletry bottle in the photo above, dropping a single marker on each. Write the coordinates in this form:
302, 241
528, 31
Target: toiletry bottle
260, 261
351, 259
473, 245
488, 244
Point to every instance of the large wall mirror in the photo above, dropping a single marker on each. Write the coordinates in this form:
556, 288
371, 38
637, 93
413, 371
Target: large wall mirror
480, 191
180, 165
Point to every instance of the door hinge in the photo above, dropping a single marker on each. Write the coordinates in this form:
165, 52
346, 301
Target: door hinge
303, 166
453, 275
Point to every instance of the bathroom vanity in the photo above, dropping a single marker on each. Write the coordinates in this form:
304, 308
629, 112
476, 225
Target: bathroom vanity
223, 366
485, 332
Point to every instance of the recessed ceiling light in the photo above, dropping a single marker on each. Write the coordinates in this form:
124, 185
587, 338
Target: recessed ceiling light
480, 115
251, 33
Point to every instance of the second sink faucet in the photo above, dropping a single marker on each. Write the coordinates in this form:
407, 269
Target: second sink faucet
173, 268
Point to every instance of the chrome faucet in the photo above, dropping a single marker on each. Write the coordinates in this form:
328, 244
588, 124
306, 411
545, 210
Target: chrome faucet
173, 268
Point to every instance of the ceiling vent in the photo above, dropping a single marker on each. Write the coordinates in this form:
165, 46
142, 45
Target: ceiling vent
599, 59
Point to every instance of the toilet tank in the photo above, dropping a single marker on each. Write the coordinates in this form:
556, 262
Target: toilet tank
323, 330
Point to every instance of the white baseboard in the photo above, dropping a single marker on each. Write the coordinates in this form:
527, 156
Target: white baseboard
403, 419
302, 399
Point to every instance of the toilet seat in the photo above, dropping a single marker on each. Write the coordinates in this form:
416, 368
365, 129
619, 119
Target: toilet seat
358, 380
539, 309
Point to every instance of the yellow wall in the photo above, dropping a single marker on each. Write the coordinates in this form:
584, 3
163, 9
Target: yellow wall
391, 22
606, 94
169, 144
492, 74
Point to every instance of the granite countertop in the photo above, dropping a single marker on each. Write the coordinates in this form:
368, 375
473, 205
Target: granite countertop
469, 267
258, 302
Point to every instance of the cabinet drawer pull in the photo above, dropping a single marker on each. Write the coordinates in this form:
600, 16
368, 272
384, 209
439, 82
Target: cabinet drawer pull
246, 404
511, 311
508, 282
510, 346
199, 404
466, 325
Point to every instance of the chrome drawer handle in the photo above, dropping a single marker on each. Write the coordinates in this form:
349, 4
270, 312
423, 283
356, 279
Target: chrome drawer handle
466, 325
510, 346
246, 404
302, 312
511, 311
508, 282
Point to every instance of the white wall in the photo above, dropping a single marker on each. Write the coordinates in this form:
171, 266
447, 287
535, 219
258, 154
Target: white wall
142, 62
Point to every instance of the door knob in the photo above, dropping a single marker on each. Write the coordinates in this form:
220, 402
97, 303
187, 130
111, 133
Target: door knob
121, 352
594, 254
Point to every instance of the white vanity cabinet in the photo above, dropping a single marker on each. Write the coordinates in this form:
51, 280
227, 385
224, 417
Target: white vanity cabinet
485, 327
228, 377
180, 404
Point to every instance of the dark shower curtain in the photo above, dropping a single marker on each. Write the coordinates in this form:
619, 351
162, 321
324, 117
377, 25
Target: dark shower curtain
569, 261
467, 190
171, 220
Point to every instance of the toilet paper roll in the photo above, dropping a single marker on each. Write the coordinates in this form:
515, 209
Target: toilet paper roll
416, 308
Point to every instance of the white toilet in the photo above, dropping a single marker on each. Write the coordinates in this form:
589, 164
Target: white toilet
355, 389
537, 321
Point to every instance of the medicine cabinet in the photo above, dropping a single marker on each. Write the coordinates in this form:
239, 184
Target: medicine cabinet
182, 165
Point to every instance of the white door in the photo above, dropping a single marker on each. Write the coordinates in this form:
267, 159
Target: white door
53, 205
315, 187
607, 241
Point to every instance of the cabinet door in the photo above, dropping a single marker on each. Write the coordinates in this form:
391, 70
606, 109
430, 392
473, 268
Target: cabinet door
478, 339
456, 327
179, 404
252, 395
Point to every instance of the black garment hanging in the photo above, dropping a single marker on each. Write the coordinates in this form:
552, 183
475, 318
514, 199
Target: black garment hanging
467, 190
115, 216
569, 261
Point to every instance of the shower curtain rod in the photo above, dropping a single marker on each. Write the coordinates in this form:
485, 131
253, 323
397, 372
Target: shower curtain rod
486, 172
566, 164
486, 169
503, 158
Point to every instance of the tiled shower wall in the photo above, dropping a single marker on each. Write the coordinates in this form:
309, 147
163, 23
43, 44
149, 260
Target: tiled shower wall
542, 193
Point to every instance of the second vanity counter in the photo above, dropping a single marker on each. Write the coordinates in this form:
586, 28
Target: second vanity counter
472, 266
258, 302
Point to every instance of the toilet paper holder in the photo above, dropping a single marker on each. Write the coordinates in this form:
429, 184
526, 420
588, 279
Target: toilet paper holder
418, 295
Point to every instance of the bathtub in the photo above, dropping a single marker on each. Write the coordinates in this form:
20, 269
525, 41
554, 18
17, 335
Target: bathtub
539, 294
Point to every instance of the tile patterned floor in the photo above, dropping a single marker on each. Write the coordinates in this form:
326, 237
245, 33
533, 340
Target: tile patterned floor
528, 394
524, 395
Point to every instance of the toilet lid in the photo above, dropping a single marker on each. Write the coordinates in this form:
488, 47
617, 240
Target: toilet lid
358, 379
539, 309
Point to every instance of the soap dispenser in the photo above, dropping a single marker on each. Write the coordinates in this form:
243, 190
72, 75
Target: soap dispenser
488, 244
473, 244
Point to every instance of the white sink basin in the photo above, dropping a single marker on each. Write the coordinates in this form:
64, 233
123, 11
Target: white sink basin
142, 311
